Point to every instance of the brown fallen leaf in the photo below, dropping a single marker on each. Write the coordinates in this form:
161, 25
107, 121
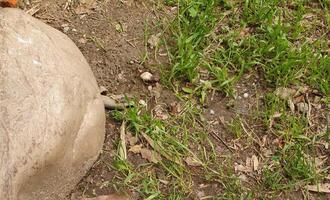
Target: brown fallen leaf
244, 32
132, 140
243, 178
154, 40
255, 162
276, 115
191, 161
291, 105
242, 168
136, 149
150, 155
175, 108
321, 188
109, 197
160, 113
285, 93
122, 149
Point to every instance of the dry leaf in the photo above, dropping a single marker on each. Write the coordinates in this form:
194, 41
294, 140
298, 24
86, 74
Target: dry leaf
242, 168
302, 107
156, 91
320, 161
322, 188
273, 117
154, 40
324, 143
136, 149
164, 182
249, 162
132, 140
264, 141
150, 155
175, 108
243, 177
285, 93
291, 105
244, 32
222, 120
299, 99
191, 161
255, 162
122, 149
160, 113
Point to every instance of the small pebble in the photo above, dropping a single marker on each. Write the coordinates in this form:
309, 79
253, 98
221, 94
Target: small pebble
146, 76
66, 29
212, 112
245, 95
149, 87
82, 41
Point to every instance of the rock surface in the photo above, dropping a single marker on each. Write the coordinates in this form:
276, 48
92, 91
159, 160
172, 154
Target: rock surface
51, 114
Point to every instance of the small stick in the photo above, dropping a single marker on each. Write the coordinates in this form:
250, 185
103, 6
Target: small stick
216, 136
244, 129
328, 127
309, 111
130, 43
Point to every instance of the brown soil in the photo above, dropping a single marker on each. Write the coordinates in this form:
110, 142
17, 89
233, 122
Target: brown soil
114, 56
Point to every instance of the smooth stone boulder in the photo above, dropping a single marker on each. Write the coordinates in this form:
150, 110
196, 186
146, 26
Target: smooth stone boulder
52, 118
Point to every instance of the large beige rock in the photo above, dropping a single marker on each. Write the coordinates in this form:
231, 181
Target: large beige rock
51, 115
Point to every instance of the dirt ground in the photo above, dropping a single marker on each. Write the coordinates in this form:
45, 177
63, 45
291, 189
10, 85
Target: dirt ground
111, 35
114, 56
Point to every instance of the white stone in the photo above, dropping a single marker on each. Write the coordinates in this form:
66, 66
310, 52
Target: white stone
246, 95
146, 76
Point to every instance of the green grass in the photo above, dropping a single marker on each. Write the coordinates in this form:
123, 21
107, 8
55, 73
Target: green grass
172, 138
211, 46
228, 40
214, 43
178, 138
